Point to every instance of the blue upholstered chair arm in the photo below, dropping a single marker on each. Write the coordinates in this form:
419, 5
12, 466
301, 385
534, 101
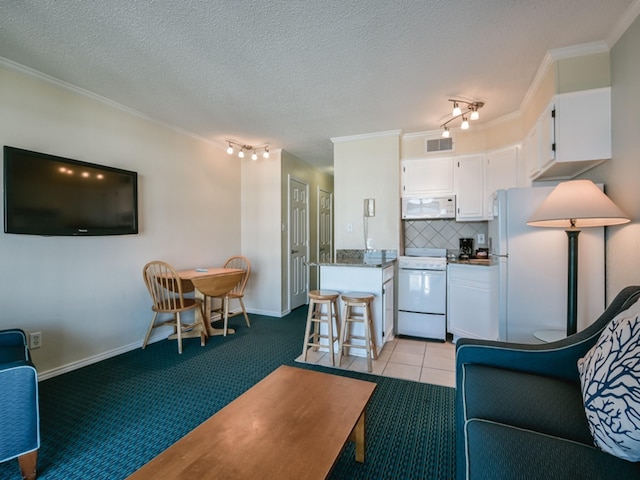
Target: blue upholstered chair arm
13, 345
19, 413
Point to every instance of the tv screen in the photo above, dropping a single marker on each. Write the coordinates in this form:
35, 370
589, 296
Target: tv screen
49, 195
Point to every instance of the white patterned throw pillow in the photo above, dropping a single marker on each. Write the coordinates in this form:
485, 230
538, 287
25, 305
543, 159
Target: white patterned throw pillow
610, 379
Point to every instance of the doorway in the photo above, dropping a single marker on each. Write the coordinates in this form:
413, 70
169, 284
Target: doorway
325, 229
298, 242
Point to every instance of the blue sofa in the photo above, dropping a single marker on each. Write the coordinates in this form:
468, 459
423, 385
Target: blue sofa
19, 412
519, 409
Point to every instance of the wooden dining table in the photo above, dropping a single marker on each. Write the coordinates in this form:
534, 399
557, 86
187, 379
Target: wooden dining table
187, 277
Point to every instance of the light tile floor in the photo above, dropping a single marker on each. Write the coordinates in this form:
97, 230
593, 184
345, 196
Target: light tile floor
410, 359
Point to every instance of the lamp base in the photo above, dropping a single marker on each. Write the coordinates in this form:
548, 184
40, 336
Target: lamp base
572, 282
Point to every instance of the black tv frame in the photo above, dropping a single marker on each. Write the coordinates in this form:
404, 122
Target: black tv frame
13, 155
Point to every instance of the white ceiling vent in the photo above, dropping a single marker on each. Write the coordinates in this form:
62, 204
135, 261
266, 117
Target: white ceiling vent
439, 144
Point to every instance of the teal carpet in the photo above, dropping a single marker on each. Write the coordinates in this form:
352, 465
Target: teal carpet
106, 420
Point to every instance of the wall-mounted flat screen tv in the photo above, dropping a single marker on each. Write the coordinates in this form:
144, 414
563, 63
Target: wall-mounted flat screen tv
49, 195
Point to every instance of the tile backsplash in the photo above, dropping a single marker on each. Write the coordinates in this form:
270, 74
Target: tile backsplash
442, 233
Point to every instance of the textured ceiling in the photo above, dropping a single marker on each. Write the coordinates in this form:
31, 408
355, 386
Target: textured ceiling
296, 73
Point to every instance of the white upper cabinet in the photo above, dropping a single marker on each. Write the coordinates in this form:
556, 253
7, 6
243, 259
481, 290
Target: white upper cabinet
574, 133
471, 178
469, 187
428, 177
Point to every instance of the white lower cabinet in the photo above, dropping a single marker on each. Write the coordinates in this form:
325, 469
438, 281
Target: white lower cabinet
472, 308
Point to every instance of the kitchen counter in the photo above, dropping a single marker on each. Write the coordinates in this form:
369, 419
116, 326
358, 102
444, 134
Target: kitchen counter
356, 263
485, 262
372, 272
360, 258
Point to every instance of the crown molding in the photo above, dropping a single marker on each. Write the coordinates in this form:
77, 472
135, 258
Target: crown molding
579, 50
553, 56
17, 67
623, 23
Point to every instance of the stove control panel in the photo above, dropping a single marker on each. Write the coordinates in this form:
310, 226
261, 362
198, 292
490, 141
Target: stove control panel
422, 263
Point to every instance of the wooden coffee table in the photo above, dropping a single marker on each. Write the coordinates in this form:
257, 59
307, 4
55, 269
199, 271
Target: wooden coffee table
291, 425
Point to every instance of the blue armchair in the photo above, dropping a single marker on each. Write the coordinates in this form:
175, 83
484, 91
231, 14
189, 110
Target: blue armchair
19, 412
519, 409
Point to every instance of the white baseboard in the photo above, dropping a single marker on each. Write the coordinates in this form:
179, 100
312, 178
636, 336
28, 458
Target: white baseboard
127, 348
95, 359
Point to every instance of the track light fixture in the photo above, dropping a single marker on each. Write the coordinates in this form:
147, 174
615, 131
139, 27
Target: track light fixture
468, 111
242, 148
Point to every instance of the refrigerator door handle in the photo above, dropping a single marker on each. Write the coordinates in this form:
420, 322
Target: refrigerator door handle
506, 255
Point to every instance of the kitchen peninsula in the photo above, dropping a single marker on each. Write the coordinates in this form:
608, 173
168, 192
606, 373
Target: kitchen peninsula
373, 272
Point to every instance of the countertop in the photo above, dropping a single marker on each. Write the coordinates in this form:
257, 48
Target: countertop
377, 263
483, 262
360, 258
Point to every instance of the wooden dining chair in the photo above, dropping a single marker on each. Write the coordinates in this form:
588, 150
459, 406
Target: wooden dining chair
218, 286
167, 292
238, 291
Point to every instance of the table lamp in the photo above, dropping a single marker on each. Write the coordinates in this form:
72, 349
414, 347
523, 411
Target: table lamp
574, 205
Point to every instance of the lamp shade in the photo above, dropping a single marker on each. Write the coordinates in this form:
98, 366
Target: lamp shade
576, 204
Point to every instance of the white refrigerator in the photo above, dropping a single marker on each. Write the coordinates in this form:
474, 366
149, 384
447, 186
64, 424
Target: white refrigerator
532, 264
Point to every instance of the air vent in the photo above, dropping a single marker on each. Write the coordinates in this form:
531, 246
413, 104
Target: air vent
439, 145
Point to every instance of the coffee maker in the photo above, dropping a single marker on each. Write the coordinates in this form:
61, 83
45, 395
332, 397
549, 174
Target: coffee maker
466, 248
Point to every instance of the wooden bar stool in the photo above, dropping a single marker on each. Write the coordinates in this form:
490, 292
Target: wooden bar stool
360, 301
323, 308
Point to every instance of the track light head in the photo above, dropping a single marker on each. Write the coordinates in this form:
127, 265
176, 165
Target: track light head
469, 111
242, 148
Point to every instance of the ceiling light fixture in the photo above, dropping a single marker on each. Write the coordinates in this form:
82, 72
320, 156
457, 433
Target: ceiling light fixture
469, 111
242, 148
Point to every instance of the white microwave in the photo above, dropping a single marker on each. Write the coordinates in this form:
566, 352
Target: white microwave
428, 207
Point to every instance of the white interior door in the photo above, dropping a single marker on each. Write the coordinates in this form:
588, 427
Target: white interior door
325, 228
298, 242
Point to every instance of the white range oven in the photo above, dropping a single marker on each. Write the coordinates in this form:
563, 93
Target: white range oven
422, 293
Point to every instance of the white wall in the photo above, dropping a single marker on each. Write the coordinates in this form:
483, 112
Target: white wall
621, 174
265, 226
367, 166
86, 295
261, 233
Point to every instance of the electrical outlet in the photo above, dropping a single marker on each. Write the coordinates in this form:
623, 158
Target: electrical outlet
349, 227
481, 239
35, 340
